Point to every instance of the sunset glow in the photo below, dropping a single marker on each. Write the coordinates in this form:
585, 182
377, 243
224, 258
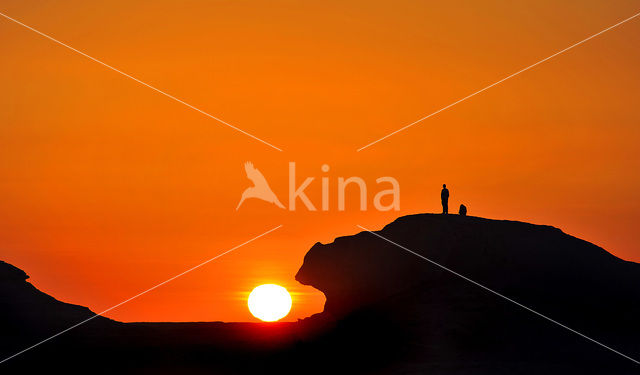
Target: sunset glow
121, 187
269, 302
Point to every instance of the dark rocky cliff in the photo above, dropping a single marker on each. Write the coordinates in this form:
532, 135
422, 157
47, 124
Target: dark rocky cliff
27, 313
448, 318
387, 312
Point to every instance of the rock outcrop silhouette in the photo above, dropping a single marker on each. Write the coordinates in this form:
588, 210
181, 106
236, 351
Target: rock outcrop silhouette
452, 322
387, 312
24, 308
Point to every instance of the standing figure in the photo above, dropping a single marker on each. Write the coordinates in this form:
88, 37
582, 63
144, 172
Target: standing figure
444, 195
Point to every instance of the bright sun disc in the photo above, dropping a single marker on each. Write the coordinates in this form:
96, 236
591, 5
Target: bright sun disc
269, 302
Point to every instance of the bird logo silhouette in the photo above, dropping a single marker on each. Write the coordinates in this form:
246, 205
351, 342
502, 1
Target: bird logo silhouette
260, 188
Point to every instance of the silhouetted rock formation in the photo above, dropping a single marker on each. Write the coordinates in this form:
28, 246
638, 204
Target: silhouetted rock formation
387, 312
452, 320
25, 308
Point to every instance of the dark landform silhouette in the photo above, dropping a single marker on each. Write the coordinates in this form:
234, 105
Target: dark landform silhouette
387, 312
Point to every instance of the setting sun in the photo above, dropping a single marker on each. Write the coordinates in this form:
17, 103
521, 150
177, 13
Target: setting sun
269, 302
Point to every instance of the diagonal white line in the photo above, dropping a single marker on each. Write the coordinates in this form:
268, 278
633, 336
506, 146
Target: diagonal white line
500, 295
138, 295
139, 81
500, 81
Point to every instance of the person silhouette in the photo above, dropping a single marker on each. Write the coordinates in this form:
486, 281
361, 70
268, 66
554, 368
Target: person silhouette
463, 210
444, 195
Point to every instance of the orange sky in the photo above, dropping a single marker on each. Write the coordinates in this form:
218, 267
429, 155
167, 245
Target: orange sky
108, 188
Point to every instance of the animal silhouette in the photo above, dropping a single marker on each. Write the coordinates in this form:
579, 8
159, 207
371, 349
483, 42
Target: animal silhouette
260, 188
